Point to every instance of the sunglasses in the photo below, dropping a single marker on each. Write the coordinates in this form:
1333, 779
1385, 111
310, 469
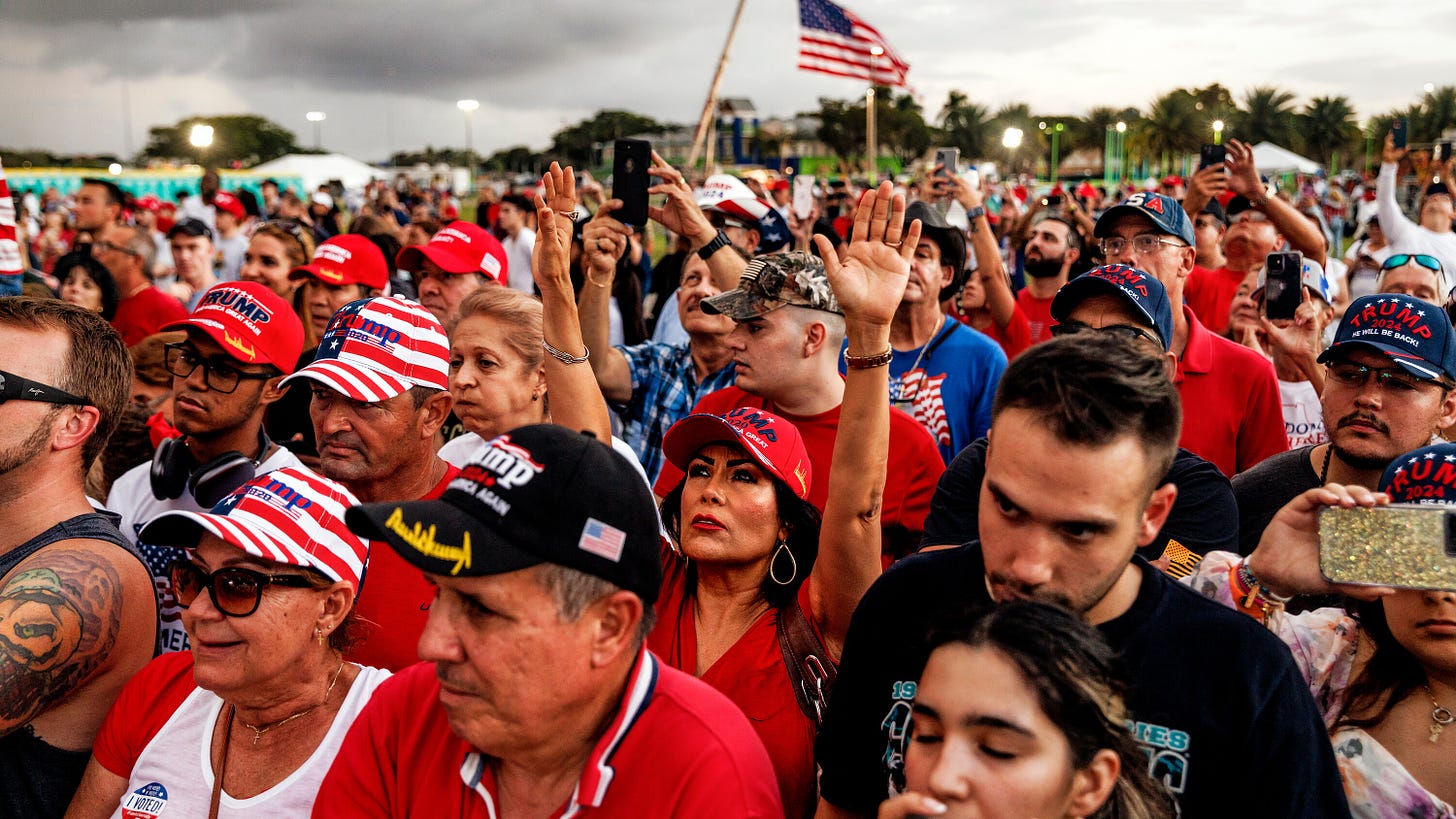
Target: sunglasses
16, 388
1125, 331
1402, 259
234, 591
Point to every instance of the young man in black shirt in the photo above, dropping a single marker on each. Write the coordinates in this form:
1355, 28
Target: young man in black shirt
1082, 432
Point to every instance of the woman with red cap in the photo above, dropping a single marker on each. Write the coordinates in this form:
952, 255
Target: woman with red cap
755, 569
247, 722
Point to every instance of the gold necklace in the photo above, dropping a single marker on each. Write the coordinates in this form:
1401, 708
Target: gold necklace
259, 732
1441, 716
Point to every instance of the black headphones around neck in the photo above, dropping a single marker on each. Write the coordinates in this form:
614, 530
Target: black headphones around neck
174, 470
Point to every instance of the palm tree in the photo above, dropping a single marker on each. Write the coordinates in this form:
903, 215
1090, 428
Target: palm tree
1267, 116
1327, 127
1173, 126
966, 125
1437, 112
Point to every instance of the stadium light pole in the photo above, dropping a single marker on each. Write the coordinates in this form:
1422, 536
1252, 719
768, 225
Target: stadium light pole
1218, 132
1011, 140
200, 138
317, 118
872, 148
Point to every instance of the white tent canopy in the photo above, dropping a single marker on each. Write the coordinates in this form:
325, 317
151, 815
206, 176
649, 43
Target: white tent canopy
1270, 158
317, 169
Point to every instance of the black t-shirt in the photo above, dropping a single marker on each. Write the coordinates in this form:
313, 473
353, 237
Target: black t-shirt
1215, 700
1263, 489
287, 420
1202, 519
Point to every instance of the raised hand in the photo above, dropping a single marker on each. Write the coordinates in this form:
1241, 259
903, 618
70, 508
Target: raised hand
551, 258
1243, 176
871, 279
679, 213
604, 239
1287, 557
1391, 154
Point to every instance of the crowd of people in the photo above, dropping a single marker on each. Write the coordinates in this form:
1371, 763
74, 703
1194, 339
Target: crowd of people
940, 496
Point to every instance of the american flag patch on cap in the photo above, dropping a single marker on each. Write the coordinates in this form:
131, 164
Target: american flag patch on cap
602, 539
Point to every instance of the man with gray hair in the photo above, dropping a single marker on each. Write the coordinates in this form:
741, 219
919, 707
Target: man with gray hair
131, 256
786, 343
545, 549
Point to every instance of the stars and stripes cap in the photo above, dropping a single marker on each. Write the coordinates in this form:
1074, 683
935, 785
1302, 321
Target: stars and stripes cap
347, 259
728, 195
375, 349
459, 248
290, 516
250, 322
1426, 476
768, 439
537, 494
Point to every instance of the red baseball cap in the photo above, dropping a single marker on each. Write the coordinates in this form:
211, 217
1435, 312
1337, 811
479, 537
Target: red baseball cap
347, 259
459, 248
779, 185
770, 440
251, 322
226, 202
148, 202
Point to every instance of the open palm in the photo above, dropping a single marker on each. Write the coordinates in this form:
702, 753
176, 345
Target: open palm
871, 279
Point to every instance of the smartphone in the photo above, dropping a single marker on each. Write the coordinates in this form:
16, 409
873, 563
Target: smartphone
803, 201
629, 180
1210, 155
1403, 545
949, 159
1053, 201
1441, 152
1282, 284
1400, 131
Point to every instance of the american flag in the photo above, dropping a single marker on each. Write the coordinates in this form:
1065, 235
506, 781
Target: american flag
603, 540
10, 259
834, 41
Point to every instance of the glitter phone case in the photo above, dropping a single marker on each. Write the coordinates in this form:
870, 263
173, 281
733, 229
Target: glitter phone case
1401, 545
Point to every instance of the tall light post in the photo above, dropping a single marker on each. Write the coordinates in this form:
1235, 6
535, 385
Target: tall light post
468, 108
1368, 128
317, 118
872, 147
200, 138
1055, 129
1011, 140
1430, 86
1218, 132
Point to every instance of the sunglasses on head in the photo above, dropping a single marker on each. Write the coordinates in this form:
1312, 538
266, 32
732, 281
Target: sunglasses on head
16, 388
235, 591
1402, 259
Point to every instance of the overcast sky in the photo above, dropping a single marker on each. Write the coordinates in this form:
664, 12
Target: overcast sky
387, 74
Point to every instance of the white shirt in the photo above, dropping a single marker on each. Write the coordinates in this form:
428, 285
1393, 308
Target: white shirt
1304, 420
1405, 236
518, 260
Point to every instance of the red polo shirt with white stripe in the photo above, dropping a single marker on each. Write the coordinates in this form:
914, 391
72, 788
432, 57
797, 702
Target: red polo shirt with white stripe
675, 747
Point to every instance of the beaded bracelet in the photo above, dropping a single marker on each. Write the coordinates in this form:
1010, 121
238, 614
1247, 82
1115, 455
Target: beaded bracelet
565, 357
1251, 595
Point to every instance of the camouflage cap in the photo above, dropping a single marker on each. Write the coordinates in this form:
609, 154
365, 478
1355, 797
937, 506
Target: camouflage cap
773, 281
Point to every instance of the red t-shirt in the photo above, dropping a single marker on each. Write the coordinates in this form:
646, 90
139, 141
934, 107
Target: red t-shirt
1038, 314
394, 602
1232, 413
751, 674
1209, 293
1014, 339
675, 747
146, 313
911, 475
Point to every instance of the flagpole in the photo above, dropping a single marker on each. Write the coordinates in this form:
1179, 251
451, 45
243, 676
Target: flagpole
709, 114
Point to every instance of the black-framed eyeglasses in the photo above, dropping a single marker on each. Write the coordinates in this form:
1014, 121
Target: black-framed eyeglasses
1402, 259
1124, 331
1142, 244
1391, 379
17, 388
235, 591
220, 376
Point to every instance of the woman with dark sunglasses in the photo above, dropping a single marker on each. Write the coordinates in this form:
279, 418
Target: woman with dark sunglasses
1414, 274
247, 722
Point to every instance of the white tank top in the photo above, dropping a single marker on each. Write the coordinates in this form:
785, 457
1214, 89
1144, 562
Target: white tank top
173, 775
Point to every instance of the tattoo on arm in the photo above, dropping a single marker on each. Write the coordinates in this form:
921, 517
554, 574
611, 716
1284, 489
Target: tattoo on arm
59, 620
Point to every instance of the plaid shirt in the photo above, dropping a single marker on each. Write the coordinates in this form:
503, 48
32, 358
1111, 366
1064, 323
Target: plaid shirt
664, 389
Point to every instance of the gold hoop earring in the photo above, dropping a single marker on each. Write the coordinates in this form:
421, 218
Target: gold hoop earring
783, 548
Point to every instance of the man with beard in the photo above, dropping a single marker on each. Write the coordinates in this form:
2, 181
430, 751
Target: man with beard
1259, 224
241, 340
1083, 431
75, 600
1385, 394
1054, 246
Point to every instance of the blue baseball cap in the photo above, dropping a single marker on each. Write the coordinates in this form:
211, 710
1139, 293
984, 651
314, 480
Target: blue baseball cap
1425, 476
1140, 289
1414, 334
1165, 212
